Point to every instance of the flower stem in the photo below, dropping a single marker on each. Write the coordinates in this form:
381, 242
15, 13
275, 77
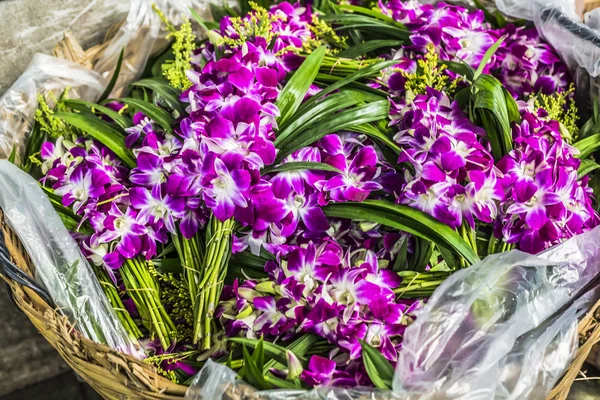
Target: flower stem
115, 300
143, 289
215, 260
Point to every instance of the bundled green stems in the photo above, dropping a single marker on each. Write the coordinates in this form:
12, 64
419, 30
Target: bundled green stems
191, 253
143, 288
213, 271
114, 298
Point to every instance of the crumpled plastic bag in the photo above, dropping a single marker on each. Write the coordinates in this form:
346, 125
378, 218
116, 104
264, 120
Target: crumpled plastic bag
140, 36
45, 75
504, 328
59, 265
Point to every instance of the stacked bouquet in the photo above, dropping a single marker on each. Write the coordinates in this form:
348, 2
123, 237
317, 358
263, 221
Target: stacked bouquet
298, 184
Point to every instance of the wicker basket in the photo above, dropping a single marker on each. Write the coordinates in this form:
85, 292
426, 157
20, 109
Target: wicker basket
117, 376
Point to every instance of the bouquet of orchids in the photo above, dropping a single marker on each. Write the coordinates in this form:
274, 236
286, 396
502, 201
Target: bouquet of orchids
297, 184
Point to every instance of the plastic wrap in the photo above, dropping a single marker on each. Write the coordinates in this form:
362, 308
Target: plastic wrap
505, 328
45, 74
140, 36
59, 265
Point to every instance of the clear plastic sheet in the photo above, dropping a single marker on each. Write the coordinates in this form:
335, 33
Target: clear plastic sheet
505, 328
140, 36
45, 74
502, 329
59, 265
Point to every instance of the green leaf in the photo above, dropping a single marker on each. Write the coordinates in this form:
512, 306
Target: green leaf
113, 79
282, 383
461, 68
587, 145
86, 106
156, 69
355, 116
376, 135
294, 91
165, 91
367, 47
155, 113
271, 350
315, 114
253, 375
168, 265
360, 74
422, 253
301, 166
586, 167
367, 24
101, 131
375, 13
487, 56
299, 347
379, 369
406, 219
492, 107
13, 155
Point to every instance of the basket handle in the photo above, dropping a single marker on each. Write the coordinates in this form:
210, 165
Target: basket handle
14, 273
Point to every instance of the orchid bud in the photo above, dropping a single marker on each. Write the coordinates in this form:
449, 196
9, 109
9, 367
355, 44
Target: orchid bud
294, 365
248, 294
266, 287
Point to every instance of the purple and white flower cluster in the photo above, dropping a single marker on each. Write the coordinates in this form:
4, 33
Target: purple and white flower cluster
544, 201
524, 63
454, 176
339, 294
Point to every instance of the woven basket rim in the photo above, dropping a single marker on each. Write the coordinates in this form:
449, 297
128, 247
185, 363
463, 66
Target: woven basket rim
136, 378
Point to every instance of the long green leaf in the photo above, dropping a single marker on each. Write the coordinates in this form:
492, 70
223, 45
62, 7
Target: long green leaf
492, 106
587, 145
379, 369
314, 115
360, 74
253, 374
359, 115
299, 347
301, 166
101, 131
367, 24
282, 383
586, 167
487, 56
295, 90
377, 135
406, 219
367, 47
86, 106
271, 350
165, 91
113, 79
155, 113
377, 14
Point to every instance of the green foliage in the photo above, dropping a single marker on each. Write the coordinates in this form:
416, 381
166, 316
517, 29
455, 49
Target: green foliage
113, 79
295, 90
379, 369
406, 219
163, 91
494, 108
102, 131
